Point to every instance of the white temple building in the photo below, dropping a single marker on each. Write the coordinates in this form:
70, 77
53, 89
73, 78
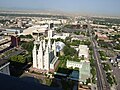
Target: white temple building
44, 54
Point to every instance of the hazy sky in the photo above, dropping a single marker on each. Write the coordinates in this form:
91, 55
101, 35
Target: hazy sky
102, 7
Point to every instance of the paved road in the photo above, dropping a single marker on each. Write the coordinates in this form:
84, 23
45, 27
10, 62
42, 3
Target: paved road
101, 76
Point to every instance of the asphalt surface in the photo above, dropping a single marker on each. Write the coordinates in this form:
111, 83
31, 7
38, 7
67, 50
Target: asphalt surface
101, 76
102, 83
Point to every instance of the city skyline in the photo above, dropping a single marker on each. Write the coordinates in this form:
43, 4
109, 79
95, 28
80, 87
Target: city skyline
89, 7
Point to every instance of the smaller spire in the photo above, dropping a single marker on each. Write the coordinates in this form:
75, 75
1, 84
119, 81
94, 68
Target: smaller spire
34, 48
38, 38
43, 44
40, 46
47, 49
49, 43
54, 47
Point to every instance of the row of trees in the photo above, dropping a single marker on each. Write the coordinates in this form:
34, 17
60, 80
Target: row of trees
106, 67
104, 44
21, 59
102, 55
117, 47
110, 79
93, 70
107, 21
26, 36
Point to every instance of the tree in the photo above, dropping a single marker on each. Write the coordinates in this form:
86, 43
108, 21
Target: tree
107, 67
13, 58
75, 42
61, 57
88, 81
69, 51
21, 59
29, 58
115, 29
117, 47
28, 46
26, 36
92, 64
59, 39
93, 71
109, 79
82, 58
67, 39
58, 30
96, 37
75, 58
77, 32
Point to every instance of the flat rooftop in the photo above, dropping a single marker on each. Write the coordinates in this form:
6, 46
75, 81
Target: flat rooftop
84, 71
3, 62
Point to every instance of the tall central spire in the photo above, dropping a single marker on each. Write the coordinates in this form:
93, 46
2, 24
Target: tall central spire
54, 47
46, 59
34, 57
43, 44
49, 43
40, 56
49, 37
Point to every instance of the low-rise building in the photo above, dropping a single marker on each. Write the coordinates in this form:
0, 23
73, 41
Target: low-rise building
83, 72
101, 36
11, 32
99, 26
35, 29
73, 64
4, 67
79, 37
83, 51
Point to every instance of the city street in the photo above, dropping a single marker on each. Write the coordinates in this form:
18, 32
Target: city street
101, 76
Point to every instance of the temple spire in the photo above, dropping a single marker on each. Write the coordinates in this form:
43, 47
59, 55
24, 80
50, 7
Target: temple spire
44, 44
34, 52
40, 56
49, 43
54, 48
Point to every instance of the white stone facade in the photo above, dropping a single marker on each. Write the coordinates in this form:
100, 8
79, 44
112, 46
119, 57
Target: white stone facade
83, 51
73, 64
44, 57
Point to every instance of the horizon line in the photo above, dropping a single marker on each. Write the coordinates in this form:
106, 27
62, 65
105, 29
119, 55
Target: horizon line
89, 14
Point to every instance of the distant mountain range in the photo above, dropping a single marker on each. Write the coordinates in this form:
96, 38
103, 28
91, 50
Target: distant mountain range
28, 11
49, 12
